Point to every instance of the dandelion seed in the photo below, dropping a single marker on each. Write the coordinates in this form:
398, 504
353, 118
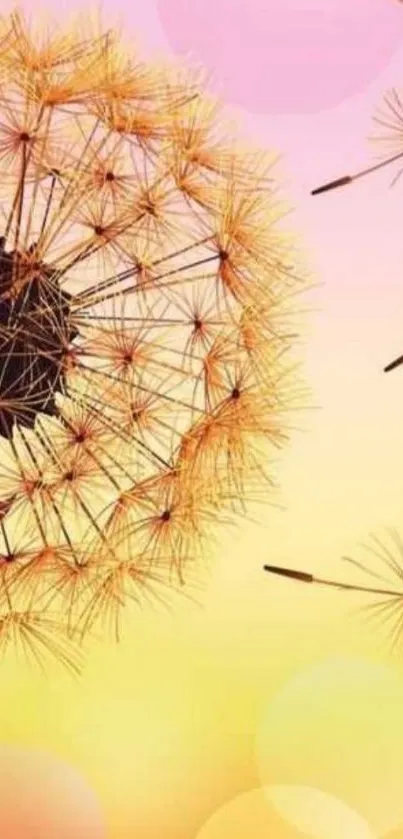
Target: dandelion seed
386, 593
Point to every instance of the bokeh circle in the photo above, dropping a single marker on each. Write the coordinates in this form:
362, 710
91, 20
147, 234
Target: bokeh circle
337, 727
44, 798
289, 56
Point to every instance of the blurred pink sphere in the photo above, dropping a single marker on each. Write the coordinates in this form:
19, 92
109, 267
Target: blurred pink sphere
43, 798
286, 55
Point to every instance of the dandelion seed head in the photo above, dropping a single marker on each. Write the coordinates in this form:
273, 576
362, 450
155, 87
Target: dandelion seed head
145, 287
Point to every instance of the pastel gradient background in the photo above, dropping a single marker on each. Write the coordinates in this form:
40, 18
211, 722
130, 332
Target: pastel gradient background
195, 725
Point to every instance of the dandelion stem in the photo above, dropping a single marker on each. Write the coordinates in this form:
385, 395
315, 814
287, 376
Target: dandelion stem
5, 537
305, 577
20, 187
130, 272
349, 179
87, 300
48, 205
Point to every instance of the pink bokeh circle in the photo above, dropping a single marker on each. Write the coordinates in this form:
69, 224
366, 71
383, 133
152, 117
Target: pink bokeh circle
43, 798
286, 56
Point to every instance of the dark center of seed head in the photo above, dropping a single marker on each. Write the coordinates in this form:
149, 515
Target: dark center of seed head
197, 324
235, 393
34, 322
166, 515
109, 176
24, 137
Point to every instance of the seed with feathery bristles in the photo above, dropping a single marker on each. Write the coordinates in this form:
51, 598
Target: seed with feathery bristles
385, 590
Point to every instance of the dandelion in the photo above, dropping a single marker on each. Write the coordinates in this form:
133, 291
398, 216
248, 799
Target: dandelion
385, 593
145, 285
390, 118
